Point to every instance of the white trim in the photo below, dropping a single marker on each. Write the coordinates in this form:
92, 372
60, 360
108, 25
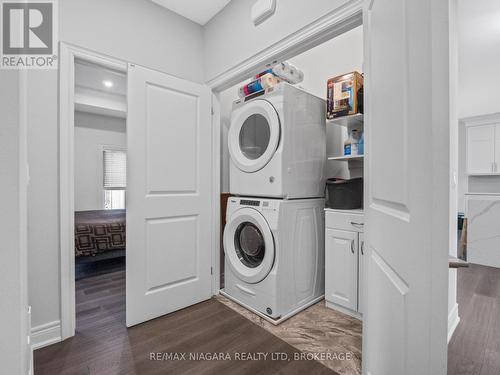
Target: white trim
338, 21
281, 319
45, 334
68, 53
453, 320
492, 118
216, 207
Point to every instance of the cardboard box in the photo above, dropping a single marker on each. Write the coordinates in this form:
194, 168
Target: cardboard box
344, 95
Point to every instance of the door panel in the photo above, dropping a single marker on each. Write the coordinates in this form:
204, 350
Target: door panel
407, 138
480, 149
341, 258
168, 194
169, 129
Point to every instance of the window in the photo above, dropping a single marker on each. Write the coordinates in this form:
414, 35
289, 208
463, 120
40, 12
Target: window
114, 177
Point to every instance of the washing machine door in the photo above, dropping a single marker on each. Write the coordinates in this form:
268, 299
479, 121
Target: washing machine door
249, 245
254, 135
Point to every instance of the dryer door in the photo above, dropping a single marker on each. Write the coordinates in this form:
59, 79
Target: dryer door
254, 135
249, 245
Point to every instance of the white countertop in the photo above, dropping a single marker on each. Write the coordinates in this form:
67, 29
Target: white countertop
493, 194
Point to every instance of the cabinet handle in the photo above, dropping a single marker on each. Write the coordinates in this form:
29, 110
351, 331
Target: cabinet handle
352, 246
362, 247
354, 223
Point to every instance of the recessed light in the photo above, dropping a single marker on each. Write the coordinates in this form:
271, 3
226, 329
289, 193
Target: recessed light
107, 83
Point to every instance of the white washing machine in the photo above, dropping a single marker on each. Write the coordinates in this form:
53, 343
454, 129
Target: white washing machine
277, 144
274, 255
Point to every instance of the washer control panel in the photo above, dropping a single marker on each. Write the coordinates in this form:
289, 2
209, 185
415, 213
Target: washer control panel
248, 202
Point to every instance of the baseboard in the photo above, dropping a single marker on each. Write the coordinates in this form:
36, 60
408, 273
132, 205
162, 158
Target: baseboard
46, 334
453, 320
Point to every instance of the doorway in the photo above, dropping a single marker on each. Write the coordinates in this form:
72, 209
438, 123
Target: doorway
92, 136
161, 175
334, 57
100, 182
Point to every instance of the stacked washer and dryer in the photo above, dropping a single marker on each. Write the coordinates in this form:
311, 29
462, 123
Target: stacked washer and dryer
274, 235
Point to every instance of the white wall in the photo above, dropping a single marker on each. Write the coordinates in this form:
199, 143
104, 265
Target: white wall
340, 55
135, 30
479, 80
479, 57
14, 353
231, 37
91, 132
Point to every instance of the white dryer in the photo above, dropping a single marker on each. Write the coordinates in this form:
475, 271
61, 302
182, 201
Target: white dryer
274, 254
277, 144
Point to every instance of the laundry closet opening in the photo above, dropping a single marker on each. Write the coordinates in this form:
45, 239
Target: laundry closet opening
278, 150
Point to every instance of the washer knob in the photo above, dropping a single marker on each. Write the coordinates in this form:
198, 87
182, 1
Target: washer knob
271, 179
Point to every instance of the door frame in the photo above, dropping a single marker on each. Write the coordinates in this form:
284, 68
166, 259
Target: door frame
68, 54
338, 21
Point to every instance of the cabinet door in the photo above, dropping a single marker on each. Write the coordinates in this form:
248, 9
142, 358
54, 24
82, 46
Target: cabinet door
480, 149
361, 272
341, 268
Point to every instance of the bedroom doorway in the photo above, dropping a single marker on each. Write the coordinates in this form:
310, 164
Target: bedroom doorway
100, 183
93, 139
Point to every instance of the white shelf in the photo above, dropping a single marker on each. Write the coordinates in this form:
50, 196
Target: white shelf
347, 157
347, 121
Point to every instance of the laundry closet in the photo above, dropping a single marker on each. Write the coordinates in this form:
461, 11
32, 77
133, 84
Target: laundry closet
317, 198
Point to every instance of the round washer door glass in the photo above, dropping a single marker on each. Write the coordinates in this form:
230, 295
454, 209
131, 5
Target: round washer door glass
254, 136
249, 244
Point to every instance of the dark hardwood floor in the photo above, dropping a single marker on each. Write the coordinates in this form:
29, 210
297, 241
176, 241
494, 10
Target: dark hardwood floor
474, 348
104, 346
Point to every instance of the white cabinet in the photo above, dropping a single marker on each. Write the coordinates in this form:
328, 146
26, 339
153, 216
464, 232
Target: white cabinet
481, 149
344, 261
483, 145
341, 266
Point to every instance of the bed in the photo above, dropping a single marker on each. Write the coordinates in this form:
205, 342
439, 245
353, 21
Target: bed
100, 233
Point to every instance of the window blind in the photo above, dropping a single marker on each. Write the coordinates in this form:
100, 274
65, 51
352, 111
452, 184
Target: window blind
115, 169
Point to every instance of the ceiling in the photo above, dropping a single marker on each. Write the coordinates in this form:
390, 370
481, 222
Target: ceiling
199, 11
91, 76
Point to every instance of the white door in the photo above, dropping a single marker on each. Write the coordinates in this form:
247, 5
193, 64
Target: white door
168, 194
341, 259
480, 149
407, 182
361, 273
